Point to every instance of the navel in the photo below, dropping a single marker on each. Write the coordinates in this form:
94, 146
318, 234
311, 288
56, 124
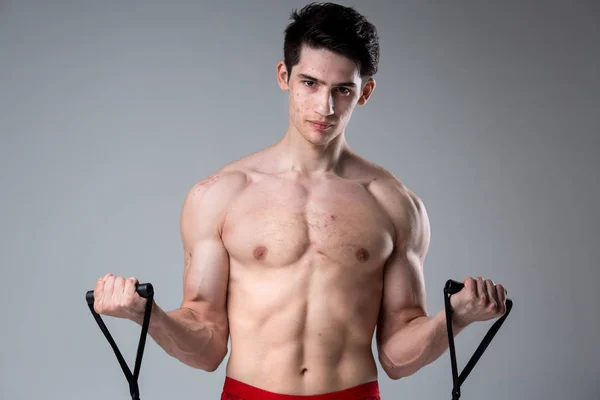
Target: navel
362, 255
260, 253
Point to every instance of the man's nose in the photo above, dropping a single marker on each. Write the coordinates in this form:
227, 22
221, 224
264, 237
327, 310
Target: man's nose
324, 104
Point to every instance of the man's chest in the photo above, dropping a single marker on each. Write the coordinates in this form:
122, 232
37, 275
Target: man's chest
279, 223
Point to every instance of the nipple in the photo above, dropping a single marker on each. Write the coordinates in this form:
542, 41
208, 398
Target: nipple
260, 253
362, 255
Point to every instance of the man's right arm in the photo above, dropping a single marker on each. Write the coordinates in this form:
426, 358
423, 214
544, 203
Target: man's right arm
197, 332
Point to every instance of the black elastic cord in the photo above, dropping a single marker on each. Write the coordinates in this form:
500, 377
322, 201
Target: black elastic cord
457, 380
131, 378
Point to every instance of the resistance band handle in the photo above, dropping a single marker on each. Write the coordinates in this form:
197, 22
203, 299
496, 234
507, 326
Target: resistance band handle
453, 287
145, 290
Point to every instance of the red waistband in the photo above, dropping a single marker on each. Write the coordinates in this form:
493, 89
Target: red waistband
236, 390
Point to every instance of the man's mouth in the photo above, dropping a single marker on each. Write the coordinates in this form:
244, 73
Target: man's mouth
320, 125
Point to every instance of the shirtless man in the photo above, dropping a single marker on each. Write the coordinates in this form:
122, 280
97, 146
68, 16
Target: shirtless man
299, 252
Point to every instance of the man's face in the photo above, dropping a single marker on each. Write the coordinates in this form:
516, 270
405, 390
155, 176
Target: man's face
324, 88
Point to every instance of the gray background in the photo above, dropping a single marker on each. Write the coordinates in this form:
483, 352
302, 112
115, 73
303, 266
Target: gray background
111, 110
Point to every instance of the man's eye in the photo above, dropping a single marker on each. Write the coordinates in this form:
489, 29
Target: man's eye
344, 90
308, 83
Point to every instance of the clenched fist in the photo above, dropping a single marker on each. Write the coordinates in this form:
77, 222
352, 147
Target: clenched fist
479, 300
115, 296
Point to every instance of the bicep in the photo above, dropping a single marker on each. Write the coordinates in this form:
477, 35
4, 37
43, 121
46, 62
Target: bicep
205, 281
206, 260
404, 294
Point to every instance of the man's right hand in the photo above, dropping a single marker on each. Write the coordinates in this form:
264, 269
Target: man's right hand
115, 296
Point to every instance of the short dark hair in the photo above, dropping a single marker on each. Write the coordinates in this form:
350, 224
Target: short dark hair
334, 27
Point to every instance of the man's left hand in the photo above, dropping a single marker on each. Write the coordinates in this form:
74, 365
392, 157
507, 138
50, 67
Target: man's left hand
479, 300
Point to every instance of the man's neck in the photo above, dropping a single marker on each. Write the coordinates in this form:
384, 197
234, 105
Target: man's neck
298, 154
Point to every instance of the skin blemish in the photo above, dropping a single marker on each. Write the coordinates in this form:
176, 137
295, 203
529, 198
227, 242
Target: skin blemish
333, 217
260, 253
362, 255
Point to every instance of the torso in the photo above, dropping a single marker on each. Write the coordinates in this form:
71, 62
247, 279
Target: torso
305, 285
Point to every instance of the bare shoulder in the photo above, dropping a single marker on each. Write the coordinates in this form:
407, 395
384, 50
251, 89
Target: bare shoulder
215, 192
405, 208
218, 187
383, 185
207, 201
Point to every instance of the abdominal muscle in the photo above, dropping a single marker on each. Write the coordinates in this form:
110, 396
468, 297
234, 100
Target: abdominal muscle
305, 328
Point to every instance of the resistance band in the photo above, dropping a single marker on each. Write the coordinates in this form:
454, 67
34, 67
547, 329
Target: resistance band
146, 291
451, 288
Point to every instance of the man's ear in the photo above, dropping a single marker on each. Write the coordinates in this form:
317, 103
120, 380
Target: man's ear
282, 76
366, 91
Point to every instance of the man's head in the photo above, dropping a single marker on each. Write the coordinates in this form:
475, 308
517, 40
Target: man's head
331, 53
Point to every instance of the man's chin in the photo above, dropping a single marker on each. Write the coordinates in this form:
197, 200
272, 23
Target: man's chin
319, 142
317, 139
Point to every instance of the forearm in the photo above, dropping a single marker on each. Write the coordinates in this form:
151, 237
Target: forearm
416, 345
182, 336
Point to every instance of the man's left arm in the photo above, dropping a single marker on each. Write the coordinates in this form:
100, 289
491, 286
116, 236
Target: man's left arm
408, 338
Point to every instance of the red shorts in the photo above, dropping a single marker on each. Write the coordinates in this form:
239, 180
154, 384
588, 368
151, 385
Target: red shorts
236, 390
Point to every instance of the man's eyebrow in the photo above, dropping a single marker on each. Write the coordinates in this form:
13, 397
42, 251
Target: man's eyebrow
311, 78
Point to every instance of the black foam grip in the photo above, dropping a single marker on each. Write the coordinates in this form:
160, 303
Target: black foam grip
453, 287
145, 290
